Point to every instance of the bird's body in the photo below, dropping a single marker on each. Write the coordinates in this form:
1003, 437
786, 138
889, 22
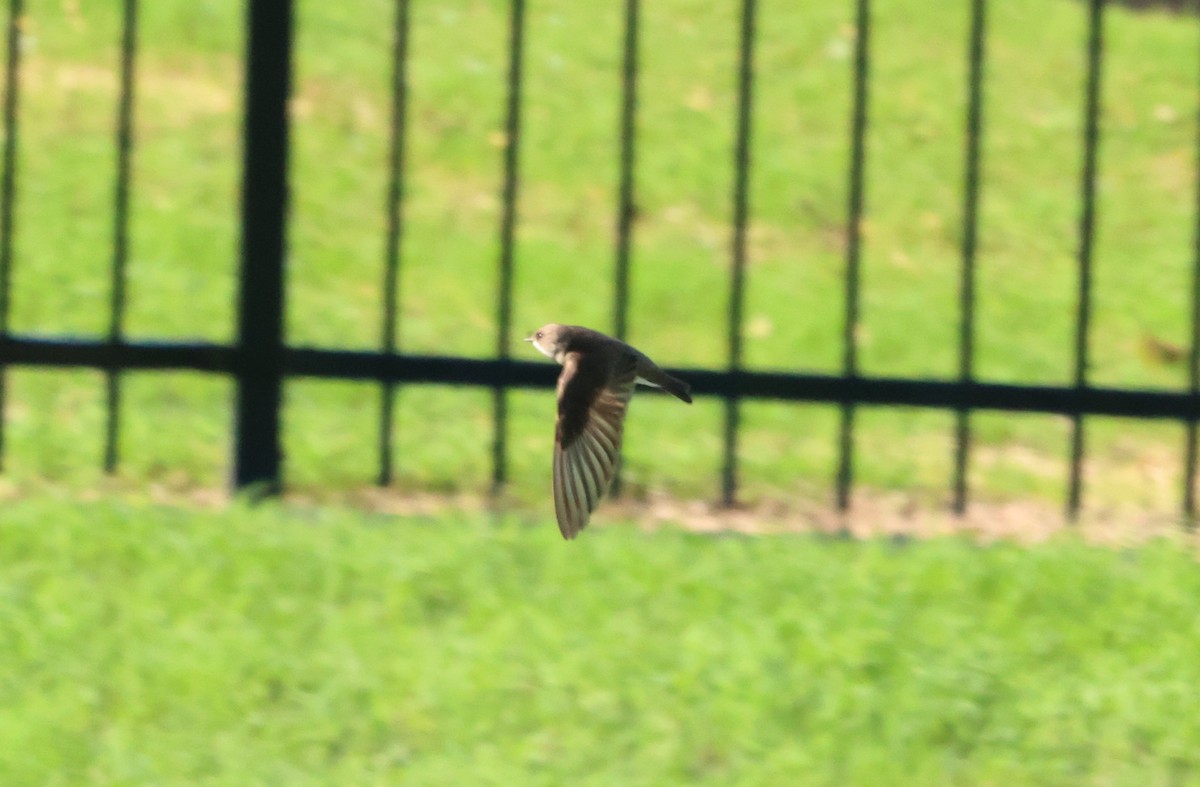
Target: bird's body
597, 380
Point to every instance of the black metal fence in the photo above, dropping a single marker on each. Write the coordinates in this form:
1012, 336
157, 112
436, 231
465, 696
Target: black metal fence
261, 360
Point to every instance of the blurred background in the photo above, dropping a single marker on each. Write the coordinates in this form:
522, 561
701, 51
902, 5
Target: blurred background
183, 234
420, 633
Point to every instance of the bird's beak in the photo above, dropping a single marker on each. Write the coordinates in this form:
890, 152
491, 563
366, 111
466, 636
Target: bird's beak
527, 339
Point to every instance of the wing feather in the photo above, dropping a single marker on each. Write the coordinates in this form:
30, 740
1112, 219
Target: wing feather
560, 498
586, 449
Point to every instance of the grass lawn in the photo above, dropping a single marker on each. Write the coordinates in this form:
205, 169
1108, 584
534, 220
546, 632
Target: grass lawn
184, 232
318, 645
145, 645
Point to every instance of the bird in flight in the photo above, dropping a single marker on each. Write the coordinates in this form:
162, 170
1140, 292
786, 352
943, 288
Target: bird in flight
597, 380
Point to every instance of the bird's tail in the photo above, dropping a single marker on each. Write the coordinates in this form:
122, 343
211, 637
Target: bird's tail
677, 388
649, 374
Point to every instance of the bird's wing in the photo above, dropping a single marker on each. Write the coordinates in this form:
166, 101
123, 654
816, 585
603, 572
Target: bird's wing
587, 436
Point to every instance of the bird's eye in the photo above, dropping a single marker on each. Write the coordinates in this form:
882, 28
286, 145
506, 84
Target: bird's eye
537, 335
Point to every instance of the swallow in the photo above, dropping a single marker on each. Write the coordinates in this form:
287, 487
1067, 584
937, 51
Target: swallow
599, 374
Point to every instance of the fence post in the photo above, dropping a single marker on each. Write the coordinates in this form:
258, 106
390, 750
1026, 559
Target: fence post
257, 454
508, 223
850, 325
741, 210
1087, 225
8, 189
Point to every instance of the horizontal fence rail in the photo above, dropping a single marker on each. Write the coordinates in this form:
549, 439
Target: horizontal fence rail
366, 365
261, 360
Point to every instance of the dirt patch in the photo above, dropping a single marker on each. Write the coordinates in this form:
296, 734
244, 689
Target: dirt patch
874, 513
892, 514
167, 95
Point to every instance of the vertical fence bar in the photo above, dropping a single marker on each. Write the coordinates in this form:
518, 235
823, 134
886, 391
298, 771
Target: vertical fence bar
737, 285
116, 326
1189, 462
512, 131
966, 340
853, 246
395, 228
8, 184
257, 454
1087, 221
626, 210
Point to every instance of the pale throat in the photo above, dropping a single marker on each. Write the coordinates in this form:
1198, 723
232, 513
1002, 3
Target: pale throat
548, 353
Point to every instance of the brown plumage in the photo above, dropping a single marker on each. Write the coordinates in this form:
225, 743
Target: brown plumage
597, 380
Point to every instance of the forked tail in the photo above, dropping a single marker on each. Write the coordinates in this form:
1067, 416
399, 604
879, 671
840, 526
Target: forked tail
677, 388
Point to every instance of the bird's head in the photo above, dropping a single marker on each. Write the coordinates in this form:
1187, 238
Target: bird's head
551, 340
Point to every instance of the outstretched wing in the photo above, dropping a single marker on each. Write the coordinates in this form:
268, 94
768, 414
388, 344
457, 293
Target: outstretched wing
587, 436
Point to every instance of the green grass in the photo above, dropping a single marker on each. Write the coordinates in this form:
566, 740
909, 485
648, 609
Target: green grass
145, 645
184, 231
